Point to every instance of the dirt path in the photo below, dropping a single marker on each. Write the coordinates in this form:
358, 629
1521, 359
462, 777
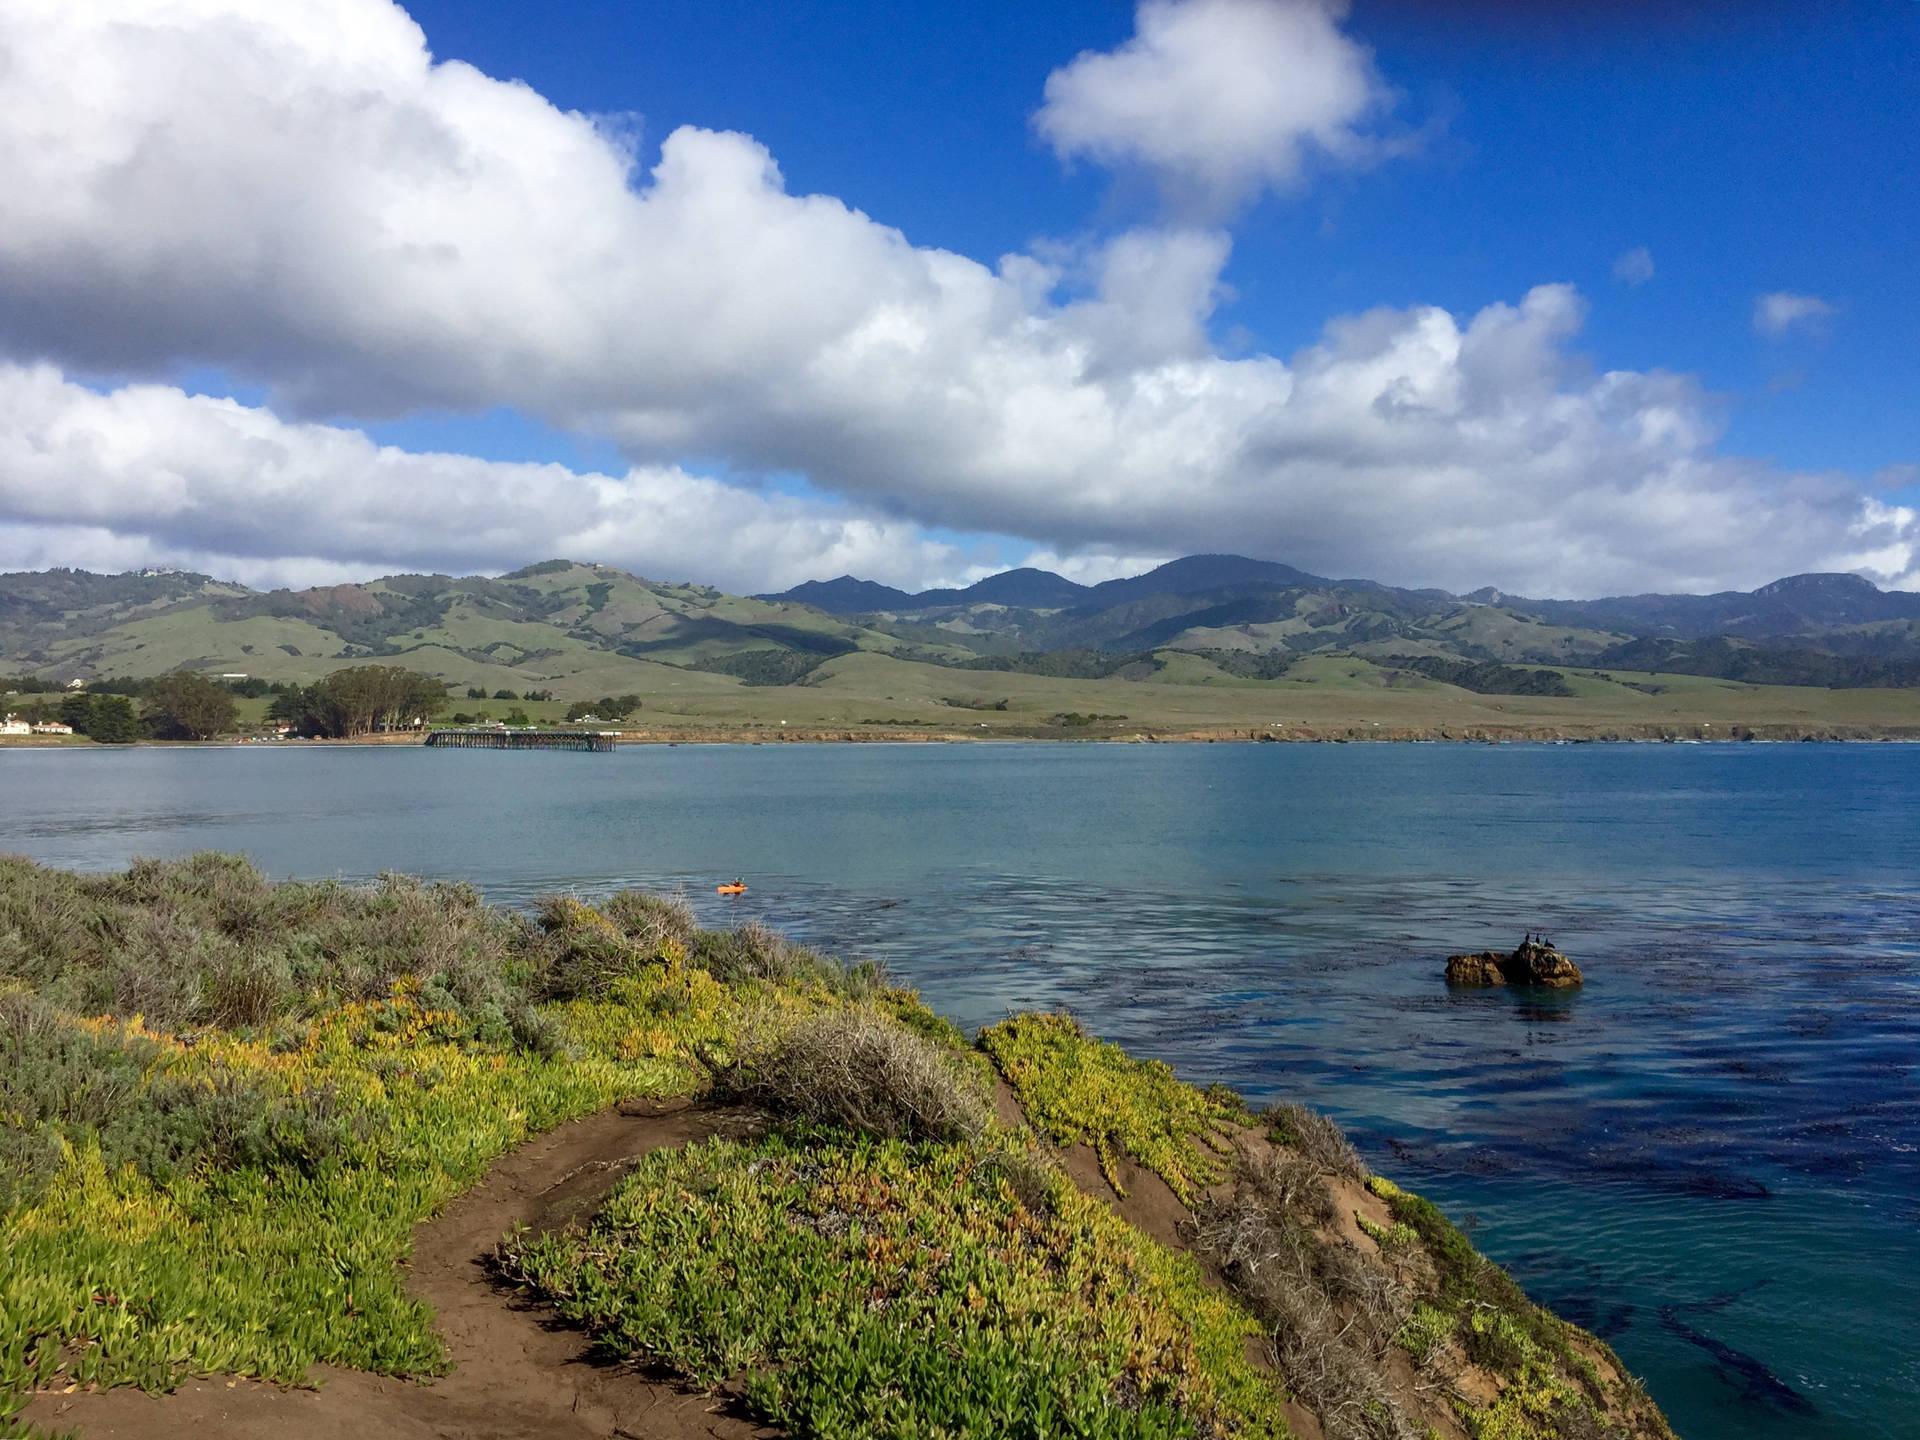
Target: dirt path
514, 1377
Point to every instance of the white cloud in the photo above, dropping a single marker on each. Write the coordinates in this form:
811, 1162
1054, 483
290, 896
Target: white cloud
1096, 567
1219, 98
297, 194
149, 475
1634, 267
1777, 313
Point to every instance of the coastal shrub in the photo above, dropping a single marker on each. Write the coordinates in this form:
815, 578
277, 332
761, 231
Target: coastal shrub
248, 988
907, 1007
652, 921
1330, 1315
1284, 1181
139, 1103
1317, 1138
540, 1033
863, 1069
585, 952
1076, 1089
1391, 1238
210, 941
757, 952
867, 1288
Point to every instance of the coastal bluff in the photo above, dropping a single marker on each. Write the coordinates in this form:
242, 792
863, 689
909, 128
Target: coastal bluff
1532, 962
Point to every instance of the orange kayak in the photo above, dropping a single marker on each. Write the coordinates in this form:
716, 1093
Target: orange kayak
729, 889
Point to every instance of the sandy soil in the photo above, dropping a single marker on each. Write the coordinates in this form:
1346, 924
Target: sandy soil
514, 1376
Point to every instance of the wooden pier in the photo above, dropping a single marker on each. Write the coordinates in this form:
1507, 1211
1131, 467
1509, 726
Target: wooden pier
521, 739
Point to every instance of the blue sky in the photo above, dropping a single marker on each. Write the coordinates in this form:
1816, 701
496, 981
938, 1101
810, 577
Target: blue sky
1748, 148
1659, 170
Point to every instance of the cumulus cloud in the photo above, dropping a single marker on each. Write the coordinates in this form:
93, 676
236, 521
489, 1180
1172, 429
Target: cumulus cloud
148, 475
1093, 568
1219, 99
1634, 267
298, 194
1777, 313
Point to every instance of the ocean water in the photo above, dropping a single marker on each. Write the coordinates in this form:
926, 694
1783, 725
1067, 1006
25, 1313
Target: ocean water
1710, 1155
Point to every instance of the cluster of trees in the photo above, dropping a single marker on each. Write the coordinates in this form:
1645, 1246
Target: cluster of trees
180, 706
186, 706
1251, 664
360, 699
106, 718
1068, 664
1727, 659
607, 707
474, 692
765, 667
1485, 677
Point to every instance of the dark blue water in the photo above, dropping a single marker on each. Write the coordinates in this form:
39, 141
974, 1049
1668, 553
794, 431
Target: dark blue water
1710, 1155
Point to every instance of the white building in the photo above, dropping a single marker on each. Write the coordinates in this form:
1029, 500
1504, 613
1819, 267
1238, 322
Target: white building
11, 726
52, 727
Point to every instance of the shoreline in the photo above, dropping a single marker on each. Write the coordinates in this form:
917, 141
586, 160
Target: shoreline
1355, 734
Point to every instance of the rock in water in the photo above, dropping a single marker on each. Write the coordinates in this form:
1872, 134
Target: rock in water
1481, 969
1541, 964
1533, 963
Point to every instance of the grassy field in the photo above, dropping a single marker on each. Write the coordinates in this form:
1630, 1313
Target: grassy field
224, 1103
1321, 695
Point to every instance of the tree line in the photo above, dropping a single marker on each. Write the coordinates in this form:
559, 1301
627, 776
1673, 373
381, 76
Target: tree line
186, 705
359, 700
180, 706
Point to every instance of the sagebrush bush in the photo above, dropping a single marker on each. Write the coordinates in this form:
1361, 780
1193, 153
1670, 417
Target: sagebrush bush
1318, 1139
1331, 1315
127, 1094
652, 921
1286, 1181
583, 952
755, 951
862, 1069
210, 941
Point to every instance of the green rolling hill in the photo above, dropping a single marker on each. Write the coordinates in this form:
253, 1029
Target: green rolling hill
1204, 642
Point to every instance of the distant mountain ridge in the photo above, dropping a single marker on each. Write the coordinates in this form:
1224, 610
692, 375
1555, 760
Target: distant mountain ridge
1794, 605
1232, 602
1028, 588
558, 620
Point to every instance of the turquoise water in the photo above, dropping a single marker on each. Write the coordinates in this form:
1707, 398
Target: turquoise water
1708, 1155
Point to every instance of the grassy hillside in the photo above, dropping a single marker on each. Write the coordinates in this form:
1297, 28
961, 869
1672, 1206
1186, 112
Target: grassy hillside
579, 630
225, 1103
1338, 660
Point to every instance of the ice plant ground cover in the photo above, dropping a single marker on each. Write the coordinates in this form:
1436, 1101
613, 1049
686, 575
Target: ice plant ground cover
225, 1104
